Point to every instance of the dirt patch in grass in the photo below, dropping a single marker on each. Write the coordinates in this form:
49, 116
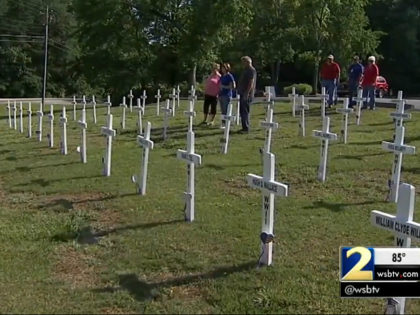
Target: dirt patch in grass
76, 268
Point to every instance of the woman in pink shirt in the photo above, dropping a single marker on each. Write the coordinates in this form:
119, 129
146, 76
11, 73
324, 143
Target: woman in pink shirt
211, 92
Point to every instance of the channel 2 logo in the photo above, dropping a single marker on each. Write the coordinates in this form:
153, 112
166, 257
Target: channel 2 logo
357, 263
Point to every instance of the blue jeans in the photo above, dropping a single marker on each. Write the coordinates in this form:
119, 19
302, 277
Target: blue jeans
224, 102
369, 93
244, 111
330, 88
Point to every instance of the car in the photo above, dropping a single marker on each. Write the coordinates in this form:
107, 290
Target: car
382, 88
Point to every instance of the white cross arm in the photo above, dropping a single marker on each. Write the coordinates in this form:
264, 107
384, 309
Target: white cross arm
324, 135
392, 147
144, 142
344, 110
82, 124
123, 105
228, 117
389, 222
63, 120
50, 116
189, 157
272, 125
273, 187
400, 115
108, 132
189, 114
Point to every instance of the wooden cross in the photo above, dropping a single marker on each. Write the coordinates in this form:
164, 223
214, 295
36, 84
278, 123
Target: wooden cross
94, 108
238, 109
74, 107
326, 136
50, 136
139, 118
269, 125
29, 120
228, 119
130, 97
83, 126
293, 97
146, 144
63, 124
108, 104
84, 102
143, 98
399, 149
345, 112
173, 96
20, 117
109, 133
178, 91
158, 97
168, 111
302, 107
124, 107
14, 109
399, 115
270, 188
40, 114
404, 229
9, 113
359, 104
324, 97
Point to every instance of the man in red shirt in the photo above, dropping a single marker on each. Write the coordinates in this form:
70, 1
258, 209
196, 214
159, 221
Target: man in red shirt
330, 77
369, 83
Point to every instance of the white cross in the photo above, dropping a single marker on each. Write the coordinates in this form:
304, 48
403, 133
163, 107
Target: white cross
228, 118
399, 149
130, 97
158, 97
84, 101
269, 125
83, 126
191, 95
168, 112
109, 133
267, 94
14, 116
293, 96
192, 159
173, 96
178, 91
20, 117
403, 227
190, 114
399, 115
143, 98
325, 135
345, 112
40, 114
108, 104
9, 113
147, 144
74, 108
29, 120
324, 97
270, 188
63, 124
359, 103
238, 108
94, 108
302, 107
50, 136
124, 107
139, 118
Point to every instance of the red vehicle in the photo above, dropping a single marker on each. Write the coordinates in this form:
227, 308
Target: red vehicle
382, 87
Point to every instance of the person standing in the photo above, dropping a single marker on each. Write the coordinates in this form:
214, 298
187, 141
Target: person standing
330, 77
211, 92
355, 74
227, 84
246, 91
369, 83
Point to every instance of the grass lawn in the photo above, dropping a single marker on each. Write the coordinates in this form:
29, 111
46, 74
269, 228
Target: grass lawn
73, 241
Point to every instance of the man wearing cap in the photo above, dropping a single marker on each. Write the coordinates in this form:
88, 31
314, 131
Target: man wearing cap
355, 74
330, 76
369, 83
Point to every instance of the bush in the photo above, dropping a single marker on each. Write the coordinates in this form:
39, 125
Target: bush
301, 89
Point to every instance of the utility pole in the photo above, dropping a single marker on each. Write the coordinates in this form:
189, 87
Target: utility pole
44, 83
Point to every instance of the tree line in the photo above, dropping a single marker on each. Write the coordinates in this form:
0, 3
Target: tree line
109, 46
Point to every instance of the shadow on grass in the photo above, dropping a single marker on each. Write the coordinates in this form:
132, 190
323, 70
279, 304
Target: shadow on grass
223, 167
357, 157
44, 183
381, 124
142, 290
86, 236
28, 168
336, 207
367, 143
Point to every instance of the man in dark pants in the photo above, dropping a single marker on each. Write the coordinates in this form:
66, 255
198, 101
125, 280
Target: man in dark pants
246, 90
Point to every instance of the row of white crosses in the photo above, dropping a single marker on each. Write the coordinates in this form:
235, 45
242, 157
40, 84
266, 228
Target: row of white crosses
192, 160
270, 188
404, 229
398, 148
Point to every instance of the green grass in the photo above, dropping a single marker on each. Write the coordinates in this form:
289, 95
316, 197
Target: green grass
74, 241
